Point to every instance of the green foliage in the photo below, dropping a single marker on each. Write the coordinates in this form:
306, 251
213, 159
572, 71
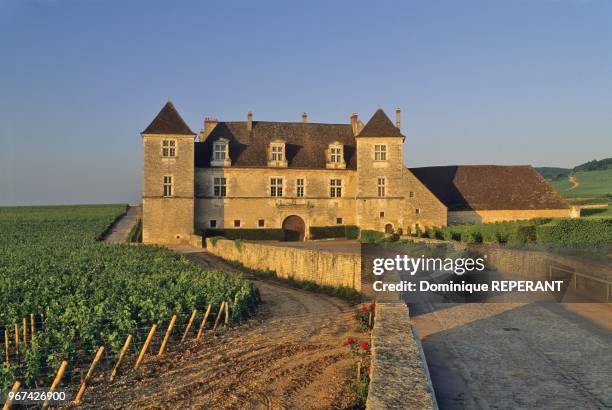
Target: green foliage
370, 236
247, 234
595, 165
238, 244
351, 231
576, 233
136, 232
324, 232
91, 292
514, 233
335, 231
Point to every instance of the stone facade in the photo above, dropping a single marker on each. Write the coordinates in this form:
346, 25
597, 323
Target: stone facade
168, 219
368, 185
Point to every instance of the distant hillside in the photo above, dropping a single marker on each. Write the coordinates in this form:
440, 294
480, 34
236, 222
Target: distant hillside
585, 184
553, 172
595, 165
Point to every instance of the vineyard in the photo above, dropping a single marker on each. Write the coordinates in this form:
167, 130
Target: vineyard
64, 294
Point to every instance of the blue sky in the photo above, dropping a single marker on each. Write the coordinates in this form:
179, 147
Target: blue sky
501, 82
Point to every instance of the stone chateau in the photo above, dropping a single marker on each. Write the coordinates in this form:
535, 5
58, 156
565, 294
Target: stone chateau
294, 175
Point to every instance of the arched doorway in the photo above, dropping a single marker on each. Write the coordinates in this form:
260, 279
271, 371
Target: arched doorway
294, 228
388, 228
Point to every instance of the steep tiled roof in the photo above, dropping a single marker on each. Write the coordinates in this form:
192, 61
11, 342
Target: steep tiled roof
305, 143
488, 187
380, 126
168, 121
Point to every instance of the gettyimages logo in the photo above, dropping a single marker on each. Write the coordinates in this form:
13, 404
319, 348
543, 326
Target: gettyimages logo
404, 263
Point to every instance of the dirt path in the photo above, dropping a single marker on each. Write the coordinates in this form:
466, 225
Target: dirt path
120, 231
573, 181
289, 356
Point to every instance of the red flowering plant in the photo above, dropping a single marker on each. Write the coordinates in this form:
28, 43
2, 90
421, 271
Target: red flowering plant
365, 316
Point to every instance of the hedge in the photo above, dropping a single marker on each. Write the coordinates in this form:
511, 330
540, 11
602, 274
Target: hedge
336, 231
369, 236
576, 233
246, 233
514, 233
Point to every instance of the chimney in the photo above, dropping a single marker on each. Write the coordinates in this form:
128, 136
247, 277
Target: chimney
209, 124
250, 121
397, 118
355, 123
304, 117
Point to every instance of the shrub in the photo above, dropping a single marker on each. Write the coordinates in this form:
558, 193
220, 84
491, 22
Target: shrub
472, 236
247, 234
136, 232
370, 236
576, 233
351, 232
335, 231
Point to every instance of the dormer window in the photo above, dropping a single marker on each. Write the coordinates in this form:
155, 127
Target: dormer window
220, 157
276, 154
335, 155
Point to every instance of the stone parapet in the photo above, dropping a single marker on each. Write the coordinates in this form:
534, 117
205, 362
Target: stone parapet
400, 377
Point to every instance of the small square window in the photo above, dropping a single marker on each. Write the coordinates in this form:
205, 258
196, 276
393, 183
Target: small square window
417, 211
261, 223
411, 194
236, 223
168, 148
212, 223
338, 221
382, 215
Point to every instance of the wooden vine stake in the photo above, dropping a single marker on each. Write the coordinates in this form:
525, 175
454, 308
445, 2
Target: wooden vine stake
370, 320
9, 403
6, 345
121, 355
162, 348
32, 325
56, 382
203, 325
358, 372
95, 362
226, 313
145, 346
17, 341
193, 315
219, 315
25, 332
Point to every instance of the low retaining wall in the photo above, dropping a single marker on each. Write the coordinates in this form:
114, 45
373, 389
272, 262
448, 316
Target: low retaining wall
323, 268
539, 264
400, 377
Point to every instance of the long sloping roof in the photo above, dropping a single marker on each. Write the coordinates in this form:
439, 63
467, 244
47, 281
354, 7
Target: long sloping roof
305, 143
168, 121
380, 126
489, 187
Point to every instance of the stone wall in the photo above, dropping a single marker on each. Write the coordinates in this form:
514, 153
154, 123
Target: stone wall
400, 377
538, 264
323, 268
